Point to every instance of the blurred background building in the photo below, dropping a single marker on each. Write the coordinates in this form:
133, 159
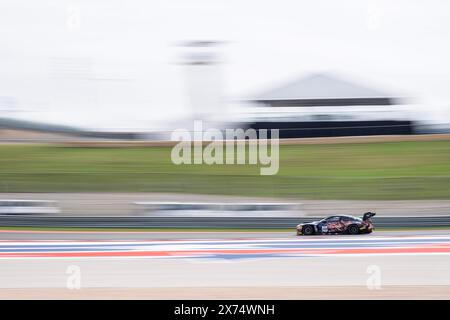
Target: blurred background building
109, 70
324, 105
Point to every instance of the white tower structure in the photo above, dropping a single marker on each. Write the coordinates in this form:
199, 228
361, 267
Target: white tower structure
203, 79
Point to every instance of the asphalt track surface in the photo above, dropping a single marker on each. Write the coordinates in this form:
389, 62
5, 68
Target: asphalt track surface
172, 235
263, 263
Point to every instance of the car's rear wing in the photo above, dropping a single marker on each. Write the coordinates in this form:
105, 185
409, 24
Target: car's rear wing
368, 215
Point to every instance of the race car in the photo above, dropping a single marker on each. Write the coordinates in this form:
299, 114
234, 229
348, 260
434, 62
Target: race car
338, 224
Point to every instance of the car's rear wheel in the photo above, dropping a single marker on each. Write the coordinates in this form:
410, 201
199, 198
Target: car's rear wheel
353, 229
308, 230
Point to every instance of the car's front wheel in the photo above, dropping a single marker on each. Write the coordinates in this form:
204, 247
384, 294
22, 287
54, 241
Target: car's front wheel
353, 229
308, 230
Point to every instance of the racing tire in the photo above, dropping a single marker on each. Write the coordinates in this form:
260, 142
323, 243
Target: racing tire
308, 230
353, 229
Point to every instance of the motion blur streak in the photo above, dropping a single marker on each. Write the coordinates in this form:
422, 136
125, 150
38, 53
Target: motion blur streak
228, 249
249, 267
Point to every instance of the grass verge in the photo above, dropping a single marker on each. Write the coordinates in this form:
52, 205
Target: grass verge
371, 171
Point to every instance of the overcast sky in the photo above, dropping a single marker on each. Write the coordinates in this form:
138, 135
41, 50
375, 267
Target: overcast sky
113, 63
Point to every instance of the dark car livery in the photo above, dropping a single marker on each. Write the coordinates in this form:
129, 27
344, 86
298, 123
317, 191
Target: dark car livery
338, 224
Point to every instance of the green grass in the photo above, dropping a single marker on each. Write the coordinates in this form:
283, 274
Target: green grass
395, 170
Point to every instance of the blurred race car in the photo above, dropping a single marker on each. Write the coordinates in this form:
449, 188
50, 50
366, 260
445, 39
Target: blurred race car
339, 224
